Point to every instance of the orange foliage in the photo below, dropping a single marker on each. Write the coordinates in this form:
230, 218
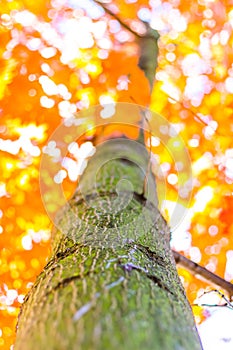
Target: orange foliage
56, 60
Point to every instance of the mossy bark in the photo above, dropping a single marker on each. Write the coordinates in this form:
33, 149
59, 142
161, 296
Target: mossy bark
111, 282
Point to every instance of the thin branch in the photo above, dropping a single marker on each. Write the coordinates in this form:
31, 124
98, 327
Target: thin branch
213, 305
228, 303
203, 273
123, 24
148, 45
193, 113
149, 35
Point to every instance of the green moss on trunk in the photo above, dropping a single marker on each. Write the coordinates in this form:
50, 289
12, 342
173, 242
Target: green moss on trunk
111, 282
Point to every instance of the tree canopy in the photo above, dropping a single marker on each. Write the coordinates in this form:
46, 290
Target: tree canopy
61, 57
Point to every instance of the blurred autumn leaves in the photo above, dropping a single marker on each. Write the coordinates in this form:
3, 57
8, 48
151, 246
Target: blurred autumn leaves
62, 56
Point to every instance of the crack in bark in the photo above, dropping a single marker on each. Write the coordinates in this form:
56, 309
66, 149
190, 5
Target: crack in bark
138, 196
150, 254
160, 283
51, 265
128, 267
66, 281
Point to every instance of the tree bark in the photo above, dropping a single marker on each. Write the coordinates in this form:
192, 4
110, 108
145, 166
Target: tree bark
111, 282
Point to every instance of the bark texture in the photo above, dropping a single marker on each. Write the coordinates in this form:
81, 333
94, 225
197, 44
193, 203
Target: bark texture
111, 282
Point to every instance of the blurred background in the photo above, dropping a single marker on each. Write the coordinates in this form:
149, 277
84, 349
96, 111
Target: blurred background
60, 57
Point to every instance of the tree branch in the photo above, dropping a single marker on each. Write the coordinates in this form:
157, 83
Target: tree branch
114, 15
202, 272
148, 60
148, 45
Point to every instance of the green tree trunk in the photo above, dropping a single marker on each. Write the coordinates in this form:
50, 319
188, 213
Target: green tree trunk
111, 282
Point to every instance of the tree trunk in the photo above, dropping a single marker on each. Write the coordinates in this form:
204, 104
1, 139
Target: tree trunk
111, 282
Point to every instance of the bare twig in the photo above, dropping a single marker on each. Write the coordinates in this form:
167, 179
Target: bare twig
114, 15
193, 113
203, 273
226, 304
212, 305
